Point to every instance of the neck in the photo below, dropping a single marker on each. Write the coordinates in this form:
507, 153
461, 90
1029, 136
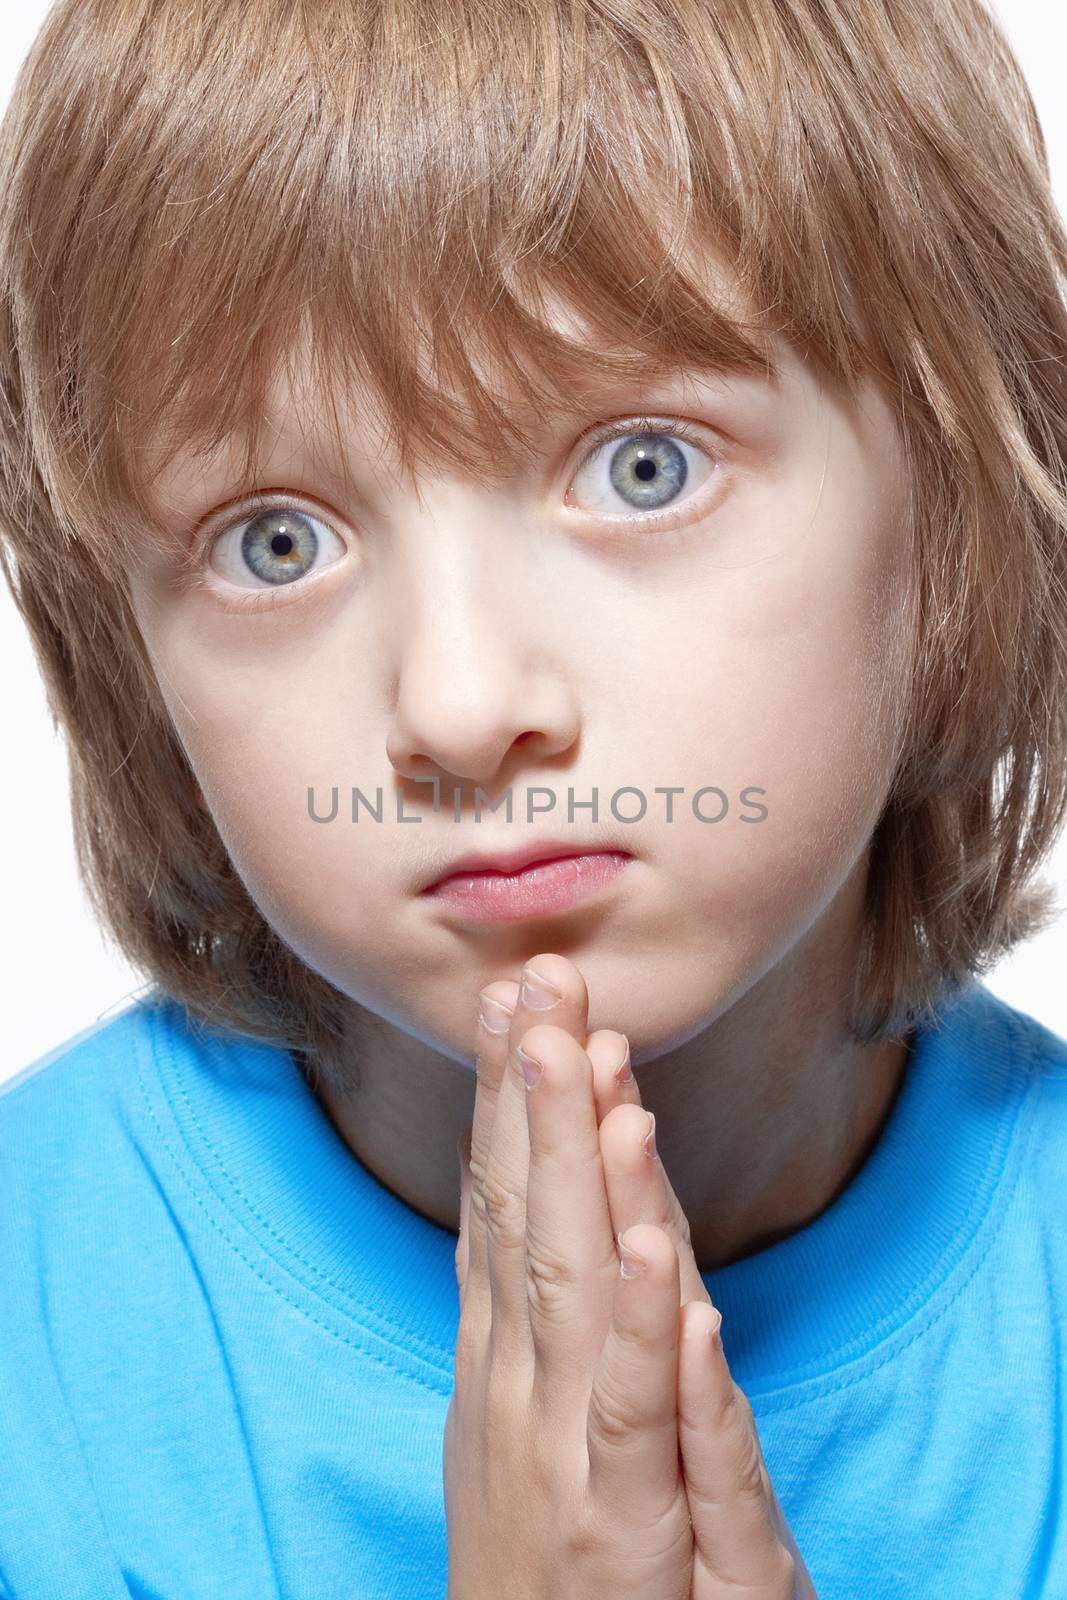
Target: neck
762, 1117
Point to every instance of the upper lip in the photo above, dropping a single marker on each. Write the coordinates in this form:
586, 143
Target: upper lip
514, 860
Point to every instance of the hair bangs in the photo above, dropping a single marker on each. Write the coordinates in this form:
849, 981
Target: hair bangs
401, 215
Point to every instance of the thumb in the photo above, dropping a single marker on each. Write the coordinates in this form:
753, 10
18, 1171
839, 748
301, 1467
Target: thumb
737, 1522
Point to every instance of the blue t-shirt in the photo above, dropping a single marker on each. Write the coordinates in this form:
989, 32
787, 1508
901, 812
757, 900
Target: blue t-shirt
226, 1350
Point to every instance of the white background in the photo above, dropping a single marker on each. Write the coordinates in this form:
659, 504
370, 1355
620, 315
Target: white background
58, 975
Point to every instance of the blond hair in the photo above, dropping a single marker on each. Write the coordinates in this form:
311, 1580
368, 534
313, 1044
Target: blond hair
188, 195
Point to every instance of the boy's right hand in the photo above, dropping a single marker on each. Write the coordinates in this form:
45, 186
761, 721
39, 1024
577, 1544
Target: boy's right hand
562, 1472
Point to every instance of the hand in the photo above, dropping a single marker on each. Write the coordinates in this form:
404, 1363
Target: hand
594, 1440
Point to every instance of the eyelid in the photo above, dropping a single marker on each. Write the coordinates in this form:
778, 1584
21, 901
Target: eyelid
603, 432
238, 599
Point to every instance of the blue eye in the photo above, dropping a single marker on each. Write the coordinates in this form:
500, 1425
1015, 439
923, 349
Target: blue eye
277, 546
648, 470
642, 469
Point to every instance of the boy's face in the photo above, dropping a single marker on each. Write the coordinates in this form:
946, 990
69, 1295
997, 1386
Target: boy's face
550, 633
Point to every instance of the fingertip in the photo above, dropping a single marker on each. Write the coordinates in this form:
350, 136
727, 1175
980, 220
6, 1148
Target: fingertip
609, 1052
640, 1237
622, 1072
496, 1006
703, 1323
633, 1262
651, 1245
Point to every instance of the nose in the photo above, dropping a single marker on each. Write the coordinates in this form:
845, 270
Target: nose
479, 672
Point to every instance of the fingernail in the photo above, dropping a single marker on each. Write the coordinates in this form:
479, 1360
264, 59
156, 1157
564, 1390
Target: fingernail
495, 1016
713, 1332
623, 1073
630, 1263
537, 992
531, 1070
650, 1136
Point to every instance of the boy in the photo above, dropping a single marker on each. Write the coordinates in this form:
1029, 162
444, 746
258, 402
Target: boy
661, 404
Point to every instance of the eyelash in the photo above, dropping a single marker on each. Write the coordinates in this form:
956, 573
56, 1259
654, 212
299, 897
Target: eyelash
595, 438
605, 432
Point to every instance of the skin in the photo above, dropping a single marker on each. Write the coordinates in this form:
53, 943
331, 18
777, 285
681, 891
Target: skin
511, 636
657, 1485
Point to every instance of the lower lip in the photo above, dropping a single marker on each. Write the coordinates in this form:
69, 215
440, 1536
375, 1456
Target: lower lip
537, 891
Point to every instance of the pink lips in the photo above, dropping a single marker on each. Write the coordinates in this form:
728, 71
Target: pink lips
533, 887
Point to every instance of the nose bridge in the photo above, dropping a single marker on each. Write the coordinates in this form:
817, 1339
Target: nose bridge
469, 673
459, 579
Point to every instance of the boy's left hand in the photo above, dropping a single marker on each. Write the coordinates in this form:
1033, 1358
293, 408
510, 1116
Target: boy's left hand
717, 1433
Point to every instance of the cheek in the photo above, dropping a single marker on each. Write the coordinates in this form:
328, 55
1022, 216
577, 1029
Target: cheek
785, 673
261, 723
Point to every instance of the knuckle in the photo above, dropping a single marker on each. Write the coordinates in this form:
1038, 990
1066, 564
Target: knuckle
591, 1539
738, 1407
751, 1477
611, 1418
735, 1411
633, 1345
741, 1400
500, 1210
748, 1476
552, 1284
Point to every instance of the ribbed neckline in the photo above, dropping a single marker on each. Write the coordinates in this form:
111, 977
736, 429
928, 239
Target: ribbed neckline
268, 1156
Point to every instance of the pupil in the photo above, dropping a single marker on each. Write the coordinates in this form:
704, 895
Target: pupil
281, 544
645, 470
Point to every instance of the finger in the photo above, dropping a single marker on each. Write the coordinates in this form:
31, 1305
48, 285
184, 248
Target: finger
726, 1480
571, 1260
613, 1078
463, 1147
636, 1181
551, 990
632, 1421
496, 1005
